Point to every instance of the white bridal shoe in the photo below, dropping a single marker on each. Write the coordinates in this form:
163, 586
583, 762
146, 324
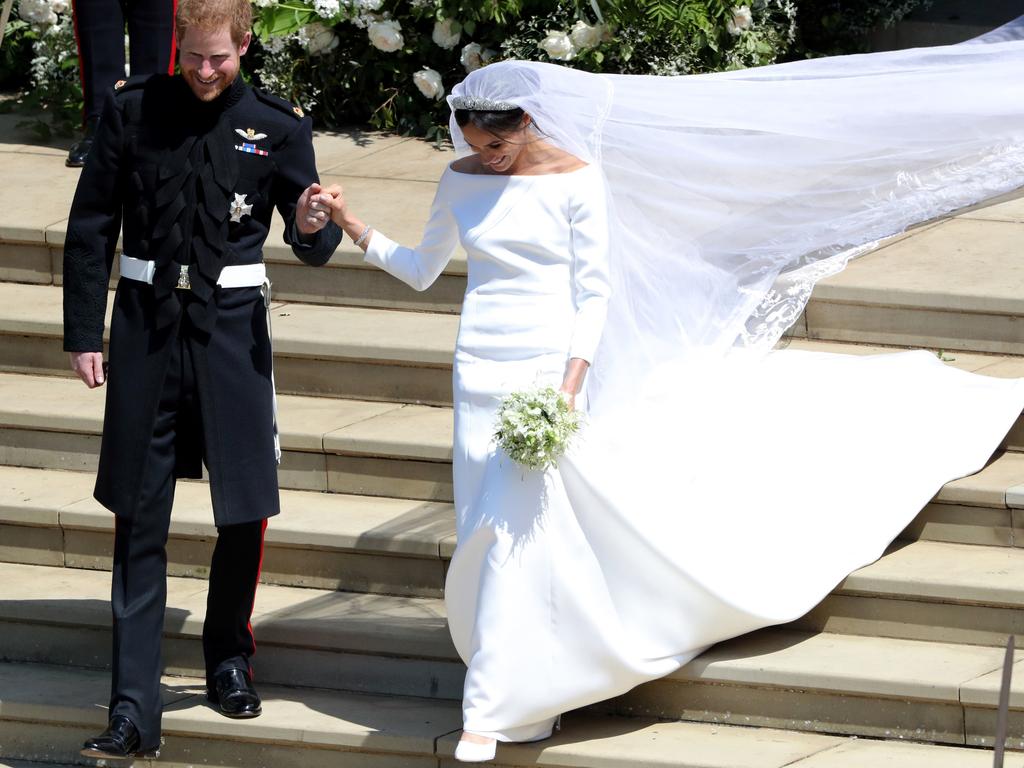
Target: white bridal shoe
474, 752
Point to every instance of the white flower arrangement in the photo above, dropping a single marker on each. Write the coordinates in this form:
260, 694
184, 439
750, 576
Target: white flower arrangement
584, 35
447, 33
558, 45
474, 56
327, 9
41, 14
742, 20
534, 427
429, 82
319, 38
386, 35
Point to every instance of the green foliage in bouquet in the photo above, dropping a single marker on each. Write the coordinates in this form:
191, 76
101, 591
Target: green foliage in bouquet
534, 428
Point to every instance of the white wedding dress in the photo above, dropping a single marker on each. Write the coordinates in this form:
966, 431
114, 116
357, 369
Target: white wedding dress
685, 516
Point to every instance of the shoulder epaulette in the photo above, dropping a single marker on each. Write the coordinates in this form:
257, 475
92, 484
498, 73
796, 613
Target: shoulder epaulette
279, 103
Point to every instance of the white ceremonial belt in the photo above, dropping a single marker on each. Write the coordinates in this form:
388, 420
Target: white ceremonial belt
232, 276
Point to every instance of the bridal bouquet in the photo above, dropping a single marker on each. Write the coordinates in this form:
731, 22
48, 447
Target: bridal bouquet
534, 428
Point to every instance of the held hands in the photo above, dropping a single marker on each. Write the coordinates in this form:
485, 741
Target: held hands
89, 368
344, 218
313, 210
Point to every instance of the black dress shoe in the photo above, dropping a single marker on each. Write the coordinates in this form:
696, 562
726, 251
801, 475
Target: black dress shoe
119, 742
80, 149
235, 695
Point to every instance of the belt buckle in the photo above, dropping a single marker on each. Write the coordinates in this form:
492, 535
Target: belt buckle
183, 282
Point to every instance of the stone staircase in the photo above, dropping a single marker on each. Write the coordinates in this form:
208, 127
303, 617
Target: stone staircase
898, 666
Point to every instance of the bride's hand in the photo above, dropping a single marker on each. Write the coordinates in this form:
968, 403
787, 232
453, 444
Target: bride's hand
569, 397
344, 218
337, 203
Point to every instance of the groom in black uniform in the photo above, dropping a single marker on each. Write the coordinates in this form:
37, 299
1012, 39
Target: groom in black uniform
192, 166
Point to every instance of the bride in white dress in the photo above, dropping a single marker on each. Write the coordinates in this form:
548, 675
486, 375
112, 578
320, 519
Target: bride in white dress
666, 234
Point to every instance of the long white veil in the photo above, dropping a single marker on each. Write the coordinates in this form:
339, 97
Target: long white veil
731, 194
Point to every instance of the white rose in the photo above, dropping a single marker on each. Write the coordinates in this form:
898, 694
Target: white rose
59, 6
742, 20
327, 9
429, 82
472, 57
320, 39
38, 13
447, 33
585, 36
386, 35
558, 46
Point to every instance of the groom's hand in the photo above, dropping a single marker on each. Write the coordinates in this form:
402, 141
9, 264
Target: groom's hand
313, 210
89, 367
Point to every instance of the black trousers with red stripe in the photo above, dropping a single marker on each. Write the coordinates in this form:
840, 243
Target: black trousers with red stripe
99, 30
139, 592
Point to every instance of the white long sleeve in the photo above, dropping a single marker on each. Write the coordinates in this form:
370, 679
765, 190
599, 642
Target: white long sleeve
591, 286
419, 267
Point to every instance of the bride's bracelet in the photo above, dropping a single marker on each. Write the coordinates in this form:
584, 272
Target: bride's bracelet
359, 240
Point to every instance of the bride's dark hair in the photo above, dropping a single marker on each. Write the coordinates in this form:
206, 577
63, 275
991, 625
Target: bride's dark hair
500, 123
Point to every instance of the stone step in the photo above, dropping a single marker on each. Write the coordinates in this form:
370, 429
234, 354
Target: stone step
950, 284
311, 637
32, 236
934, 591
369, 354
397, 546
324, 541
867, 686
926, 590
48, 711
833, 683
954, 284
343, 446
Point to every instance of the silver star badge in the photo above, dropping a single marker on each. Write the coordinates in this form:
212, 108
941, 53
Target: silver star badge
240, 208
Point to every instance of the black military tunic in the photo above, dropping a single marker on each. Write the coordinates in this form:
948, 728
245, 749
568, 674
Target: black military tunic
196, 184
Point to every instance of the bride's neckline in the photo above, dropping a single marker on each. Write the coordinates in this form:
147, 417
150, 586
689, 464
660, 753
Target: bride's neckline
517, 175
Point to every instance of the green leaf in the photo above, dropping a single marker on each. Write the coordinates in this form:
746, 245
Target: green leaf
283, 19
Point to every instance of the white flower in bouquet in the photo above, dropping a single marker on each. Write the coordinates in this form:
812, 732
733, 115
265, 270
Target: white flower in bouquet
386, 35
60, 6
429, 82
366, 6
558, 45
39, 13
534, 428
327, 9
742, 20
447, 33
319, 38
584, 35
263, 3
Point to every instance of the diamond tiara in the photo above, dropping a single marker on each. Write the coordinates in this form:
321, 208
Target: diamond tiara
482, 104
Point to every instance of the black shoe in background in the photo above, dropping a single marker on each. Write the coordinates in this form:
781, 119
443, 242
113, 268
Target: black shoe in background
119, 742
235, 695
80, 149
